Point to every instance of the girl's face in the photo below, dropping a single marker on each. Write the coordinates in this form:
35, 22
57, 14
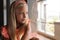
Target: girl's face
21, 14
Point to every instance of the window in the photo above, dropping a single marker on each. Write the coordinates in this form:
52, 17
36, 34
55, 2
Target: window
5, 12
48, 13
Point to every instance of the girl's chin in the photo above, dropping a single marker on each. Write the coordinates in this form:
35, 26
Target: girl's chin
22, 21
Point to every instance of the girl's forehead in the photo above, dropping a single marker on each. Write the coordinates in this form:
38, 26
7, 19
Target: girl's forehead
20, 5
22, 8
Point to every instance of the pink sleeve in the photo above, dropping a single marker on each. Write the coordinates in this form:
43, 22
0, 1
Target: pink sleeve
4, 32
34, 35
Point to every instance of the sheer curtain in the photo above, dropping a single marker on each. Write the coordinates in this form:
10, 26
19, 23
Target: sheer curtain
32, 12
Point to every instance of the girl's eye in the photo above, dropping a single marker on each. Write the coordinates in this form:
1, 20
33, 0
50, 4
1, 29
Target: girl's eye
19, 13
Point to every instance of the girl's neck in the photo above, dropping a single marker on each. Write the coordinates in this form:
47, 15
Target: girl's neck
20, 25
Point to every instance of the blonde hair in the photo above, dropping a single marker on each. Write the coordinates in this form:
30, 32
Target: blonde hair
12, 19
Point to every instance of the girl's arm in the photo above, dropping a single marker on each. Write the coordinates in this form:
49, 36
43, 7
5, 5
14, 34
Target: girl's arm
27, 31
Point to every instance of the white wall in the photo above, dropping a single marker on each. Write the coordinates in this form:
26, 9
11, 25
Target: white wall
57, 30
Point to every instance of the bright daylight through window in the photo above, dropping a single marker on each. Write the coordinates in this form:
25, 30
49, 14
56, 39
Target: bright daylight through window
48, 13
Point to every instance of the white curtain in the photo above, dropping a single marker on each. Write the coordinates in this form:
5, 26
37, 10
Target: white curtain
33, 14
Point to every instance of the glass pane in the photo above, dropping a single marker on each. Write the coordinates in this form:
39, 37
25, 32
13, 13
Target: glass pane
52, 12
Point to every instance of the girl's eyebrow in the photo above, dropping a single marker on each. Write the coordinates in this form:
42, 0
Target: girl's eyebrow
20, 12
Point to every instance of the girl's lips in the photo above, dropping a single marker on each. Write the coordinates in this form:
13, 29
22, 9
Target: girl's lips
23, 20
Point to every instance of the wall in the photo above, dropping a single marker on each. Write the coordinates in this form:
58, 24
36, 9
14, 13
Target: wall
57, 30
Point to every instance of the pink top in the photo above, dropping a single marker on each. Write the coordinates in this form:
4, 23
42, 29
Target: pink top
5, 34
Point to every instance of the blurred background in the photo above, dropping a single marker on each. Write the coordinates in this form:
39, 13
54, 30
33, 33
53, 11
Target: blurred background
43, 14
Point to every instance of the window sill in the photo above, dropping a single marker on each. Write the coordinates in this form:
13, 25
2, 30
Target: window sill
46, 35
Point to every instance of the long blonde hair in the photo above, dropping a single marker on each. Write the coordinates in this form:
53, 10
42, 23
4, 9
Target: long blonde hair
12, 20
